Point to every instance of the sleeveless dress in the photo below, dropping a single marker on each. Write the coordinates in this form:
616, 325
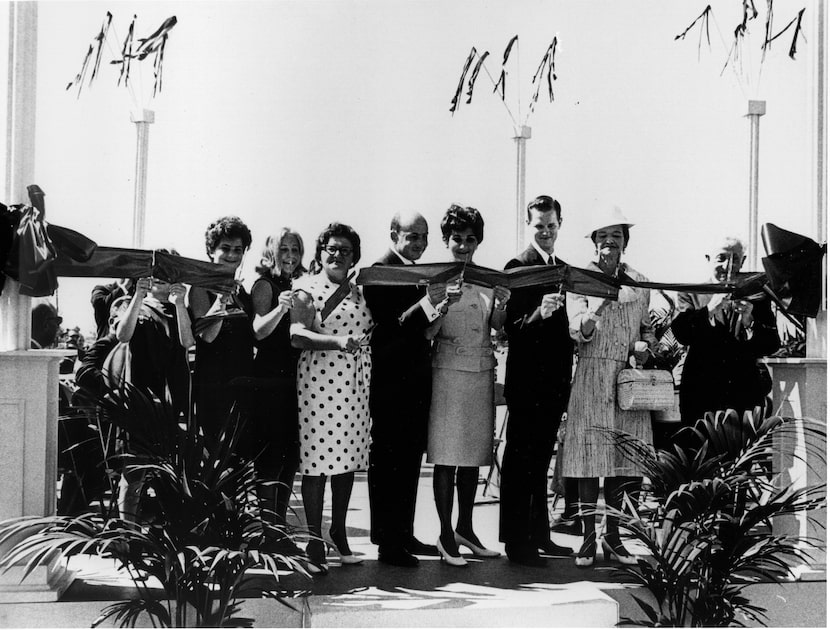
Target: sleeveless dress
274, 412
587, 452
222, 369
462, 411
333, 387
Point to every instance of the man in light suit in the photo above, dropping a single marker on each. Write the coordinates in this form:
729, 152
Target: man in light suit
537, 386
400, 395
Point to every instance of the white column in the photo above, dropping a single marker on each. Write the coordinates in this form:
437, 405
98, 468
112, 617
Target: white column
28, 378
142, 118
521, 138
15, 324
756, 110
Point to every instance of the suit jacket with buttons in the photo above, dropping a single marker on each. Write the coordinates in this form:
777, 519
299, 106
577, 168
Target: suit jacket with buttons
540, 353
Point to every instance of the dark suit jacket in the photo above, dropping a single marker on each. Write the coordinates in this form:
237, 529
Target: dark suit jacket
540, 354
401, 368
721, 369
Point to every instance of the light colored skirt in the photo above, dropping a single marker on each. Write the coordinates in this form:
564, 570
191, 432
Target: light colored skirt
461, 418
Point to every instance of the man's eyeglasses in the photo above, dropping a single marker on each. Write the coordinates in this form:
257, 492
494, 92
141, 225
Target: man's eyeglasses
333, 250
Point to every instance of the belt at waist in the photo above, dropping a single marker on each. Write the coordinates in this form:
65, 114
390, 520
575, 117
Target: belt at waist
472, 351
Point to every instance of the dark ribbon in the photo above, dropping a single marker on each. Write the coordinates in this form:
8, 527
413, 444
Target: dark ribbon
35, 253
119, 262
573, 279
335, 298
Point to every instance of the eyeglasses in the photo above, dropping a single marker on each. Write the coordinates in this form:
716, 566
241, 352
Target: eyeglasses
333, 250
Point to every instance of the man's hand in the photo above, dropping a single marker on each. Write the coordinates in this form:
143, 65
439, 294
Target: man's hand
436, 293
719, 302
550, 303
744, 308
501, 295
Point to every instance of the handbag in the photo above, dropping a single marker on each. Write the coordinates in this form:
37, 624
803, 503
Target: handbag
645, 390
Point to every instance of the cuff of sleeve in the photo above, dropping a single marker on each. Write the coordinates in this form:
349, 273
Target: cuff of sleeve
429, 310
592, 316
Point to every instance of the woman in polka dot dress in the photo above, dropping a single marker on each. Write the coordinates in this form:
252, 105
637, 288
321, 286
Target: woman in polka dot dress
332, 387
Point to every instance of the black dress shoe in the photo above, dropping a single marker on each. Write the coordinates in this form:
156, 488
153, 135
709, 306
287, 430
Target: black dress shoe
417, 548
397, 556
524, 555
550, 548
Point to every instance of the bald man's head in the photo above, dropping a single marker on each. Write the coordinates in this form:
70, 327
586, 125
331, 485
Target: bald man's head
409, 233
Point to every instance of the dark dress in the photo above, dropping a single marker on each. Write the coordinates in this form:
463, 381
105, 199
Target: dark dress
274, 411
222, 371
159, 361
721, 369
537, 386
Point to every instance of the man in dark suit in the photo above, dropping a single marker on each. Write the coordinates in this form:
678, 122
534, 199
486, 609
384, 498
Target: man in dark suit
400, 396
726, 337
537, 385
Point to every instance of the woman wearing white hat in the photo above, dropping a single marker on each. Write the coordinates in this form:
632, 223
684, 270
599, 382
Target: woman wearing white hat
608, 333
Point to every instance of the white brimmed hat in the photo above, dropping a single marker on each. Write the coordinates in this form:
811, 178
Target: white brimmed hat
605, 216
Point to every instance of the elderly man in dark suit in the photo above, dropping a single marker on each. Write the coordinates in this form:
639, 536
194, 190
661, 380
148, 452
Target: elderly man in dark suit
400, 395
537, 385
726, 337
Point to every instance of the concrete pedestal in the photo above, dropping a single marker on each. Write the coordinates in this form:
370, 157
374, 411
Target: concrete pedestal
29, 453
799, 390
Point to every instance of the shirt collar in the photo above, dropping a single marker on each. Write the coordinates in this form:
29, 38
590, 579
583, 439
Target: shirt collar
405, 261
542, 252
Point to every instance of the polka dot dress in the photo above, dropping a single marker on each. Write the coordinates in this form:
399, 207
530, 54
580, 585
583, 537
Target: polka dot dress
333, 388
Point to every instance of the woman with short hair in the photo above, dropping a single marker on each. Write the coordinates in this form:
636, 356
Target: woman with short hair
332, 385
608, 334
224, 344
462, 410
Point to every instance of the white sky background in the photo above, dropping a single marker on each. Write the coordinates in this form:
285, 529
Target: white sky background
301, 113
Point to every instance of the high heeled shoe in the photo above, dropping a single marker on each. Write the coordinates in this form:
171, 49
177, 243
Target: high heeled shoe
618, 553
455, 561
478, 552
345, 558
317, 564
587, 553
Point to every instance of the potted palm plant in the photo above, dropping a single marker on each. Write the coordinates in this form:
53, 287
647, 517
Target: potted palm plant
206, 534
706, 519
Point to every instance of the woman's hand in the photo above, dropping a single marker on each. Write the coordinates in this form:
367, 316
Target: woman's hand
177, 293
603, 305
285, 300
348, 344
640, 352
501, 295
143, 287
442, 296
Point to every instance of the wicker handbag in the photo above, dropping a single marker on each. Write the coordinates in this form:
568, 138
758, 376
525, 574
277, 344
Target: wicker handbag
645, 390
